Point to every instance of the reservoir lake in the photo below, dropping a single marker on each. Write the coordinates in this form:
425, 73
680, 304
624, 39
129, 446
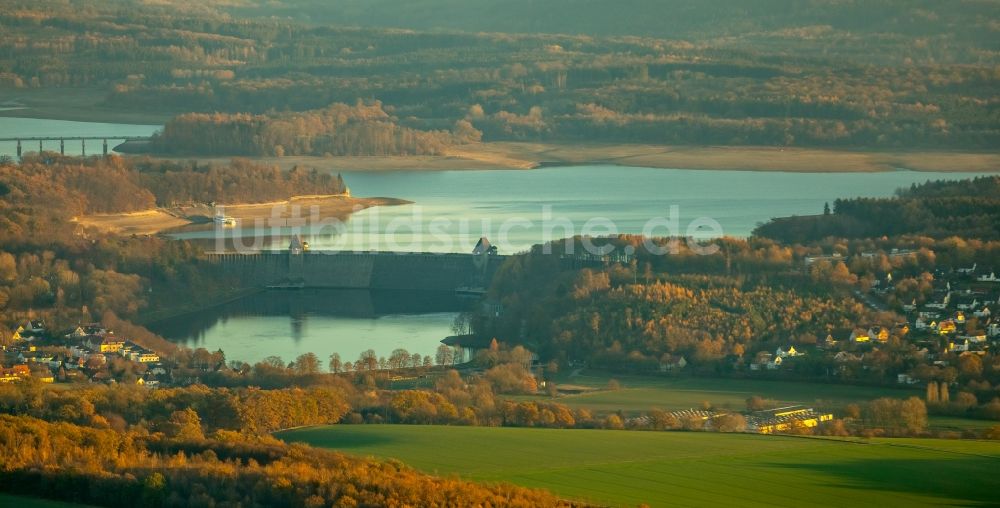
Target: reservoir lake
450, 211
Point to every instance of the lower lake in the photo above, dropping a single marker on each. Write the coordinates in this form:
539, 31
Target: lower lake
321, 321
450, 211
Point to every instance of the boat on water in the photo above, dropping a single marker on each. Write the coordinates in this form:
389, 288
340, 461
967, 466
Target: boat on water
225, 220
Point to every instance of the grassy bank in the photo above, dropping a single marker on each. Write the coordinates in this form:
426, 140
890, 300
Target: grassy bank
693, 469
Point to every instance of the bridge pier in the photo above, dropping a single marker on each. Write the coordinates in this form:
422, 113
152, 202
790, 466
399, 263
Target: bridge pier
105, 148
39, 147
83, 147
62, 147
19, 149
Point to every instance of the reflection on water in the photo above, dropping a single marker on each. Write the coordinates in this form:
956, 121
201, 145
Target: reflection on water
11, 127
452, 209
321, 321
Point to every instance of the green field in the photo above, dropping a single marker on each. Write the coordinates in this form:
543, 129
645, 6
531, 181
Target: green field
642, 393
692, 469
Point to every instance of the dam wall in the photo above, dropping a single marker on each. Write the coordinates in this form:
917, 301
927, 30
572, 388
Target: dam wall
360, 270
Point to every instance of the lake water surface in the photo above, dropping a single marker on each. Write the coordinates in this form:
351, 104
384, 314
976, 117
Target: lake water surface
11, 127
451, 210
320, 321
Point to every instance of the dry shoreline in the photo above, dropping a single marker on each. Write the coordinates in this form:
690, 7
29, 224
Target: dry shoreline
523, 155
88, 104
295, 210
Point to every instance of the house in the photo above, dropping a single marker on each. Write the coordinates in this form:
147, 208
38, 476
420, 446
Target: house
763, 360
879, 333
966, 304
672, 363
943, 304
945, 327
958, 346
144, 356
901, 329
83, 331
34, 327
910, 307
845, 357
975, 337
906, 379
859, 336
968, 271
784, 419
959, 317
774, 364
107, 344
812, 259
992, 277
15, 373
790, 352
982, 313
993, 330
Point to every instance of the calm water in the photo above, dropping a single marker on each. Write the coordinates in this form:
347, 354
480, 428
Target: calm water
28, 127
452, 209
290, 323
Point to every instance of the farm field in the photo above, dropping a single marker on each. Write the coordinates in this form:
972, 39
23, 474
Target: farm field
642, 393
624, 468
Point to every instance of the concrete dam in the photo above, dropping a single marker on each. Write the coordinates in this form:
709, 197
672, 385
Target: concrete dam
299, 268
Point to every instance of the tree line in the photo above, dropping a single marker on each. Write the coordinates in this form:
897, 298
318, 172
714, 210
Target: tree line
337, 130
811, 85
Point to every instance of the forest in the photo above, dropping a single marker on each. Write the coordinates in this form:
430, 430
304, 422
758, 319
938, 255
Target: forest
797, 75
334, 131
52, 271
935, 209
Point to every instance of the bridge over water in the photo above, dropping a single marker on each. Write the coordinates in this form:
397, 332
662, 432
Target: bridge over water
63, 139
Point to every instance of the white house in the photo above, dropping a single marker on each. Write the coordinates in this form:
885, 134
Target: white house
969, 306
968, 271
943, 304
790, 352
992, 277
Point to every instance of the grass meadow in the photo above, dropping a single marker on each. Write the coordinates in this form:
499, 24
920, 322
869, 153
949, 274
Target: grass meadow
623, 468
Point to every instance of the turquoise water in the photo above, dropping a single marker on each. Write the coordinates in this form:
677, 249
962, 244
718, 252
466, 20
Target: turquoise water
452, 209
28, 127
320, 321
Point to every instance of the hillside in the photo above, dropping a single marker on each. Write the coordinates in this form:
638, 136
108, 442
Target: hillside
685, 19
879, 75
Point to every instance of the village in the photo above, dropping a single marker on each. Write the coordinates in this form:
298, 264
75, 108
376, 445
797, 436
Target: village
958, 319
88, 353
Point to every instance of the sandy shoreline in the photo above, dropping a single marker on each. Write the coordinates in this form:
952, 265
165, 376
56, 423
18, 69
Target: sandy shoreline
294, 211
521, 155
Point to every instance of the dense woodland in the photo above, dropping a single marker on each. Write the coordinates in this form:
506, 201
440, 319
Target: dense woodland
49, 270
334, 131
109, 467
890, 74
935, 209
